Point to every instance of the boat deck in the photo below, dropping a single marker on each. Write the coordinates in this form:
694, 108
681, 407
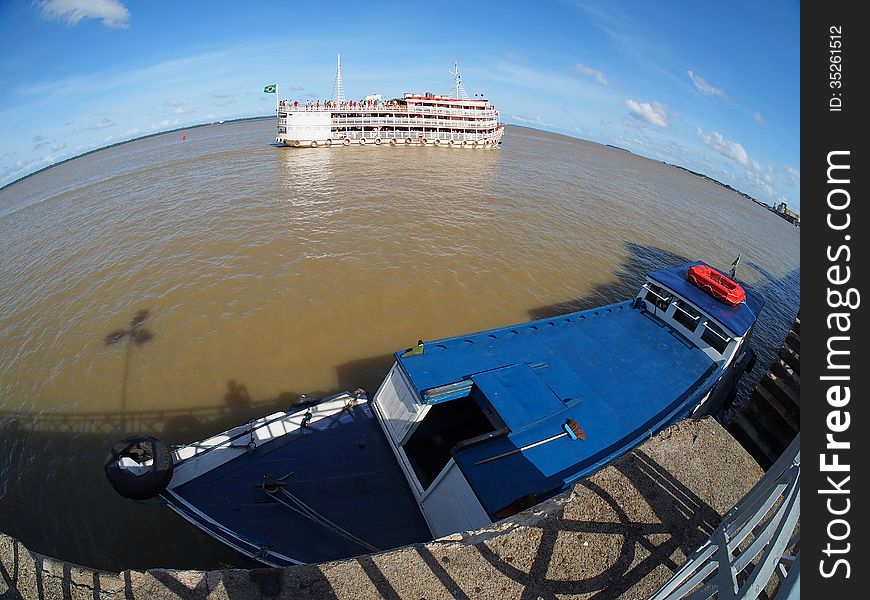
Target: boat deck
618, 371
341, 467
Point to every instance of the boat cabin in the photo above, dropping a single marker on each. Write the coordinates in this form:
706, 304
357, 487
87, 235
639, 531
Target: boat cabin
710, 322
485, 425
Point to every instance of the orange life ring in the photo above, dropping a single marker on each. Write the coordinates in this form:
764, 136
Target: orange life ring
437, 142
377, 141
408, 140
393, 142
346, 141
295, 143
450, 143
328, 142
464, 142
362, 141
313, 143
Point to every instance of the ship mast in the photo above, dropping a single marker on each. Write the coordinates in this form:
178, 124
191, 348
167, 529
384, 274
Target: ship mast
338, 90
457, 81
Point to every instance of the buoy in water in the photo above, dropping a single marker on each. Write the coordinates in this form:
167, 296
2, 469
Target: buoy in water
184, 137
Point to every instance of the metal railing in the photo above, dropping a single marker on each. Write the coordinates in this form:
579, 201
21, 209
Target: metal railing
401, 135
406, 120
399, 110
755, 541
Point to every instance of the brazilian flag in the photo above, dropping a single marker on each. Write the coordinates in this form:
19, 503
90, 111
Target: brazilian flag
271, 88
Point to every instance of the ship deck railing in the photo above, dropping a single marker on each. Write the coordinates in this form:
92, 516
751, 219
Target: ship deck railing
404, 110
402, 135
405, 124
447, 123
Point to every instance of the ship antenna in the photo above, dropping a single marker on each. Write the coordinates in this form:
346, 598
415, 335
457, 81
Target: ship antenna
338, 90
457, 80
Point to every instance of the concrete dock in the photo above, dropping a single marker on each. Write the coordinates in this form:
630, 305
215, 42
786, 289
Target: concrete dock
621, 533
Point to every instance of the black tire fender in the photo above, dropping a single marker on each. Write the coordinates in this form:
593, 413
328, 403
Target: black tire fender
750, 364
152, 480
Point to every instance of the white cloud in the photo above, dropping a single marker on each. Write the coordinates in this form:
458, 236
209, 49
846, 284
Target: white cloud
532, 120
517, 58
764, 184
164, 124
104, 122
588, 71
792, 176
729, 149
111, 12
759, 118
654, 114
705, 87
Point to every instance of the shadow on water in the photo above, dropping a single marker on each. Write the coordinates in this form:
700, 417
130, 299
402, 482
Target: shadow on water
630, 276
136, 335
58, 502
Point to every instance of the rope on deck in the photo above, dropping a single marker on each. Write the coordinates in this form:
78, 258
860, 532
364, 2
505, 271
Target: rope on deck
306, 511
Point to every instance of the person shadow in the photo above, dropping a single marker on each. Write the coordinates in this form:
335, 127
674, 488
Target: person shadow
237, 398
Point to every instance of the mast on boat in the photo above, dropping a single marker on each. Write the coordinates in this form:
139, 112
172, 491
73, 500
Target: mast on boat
457, 82
338, 90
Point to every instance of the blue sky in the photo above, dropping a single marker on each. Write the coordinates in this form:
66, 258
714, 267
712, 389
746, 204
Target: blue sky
710, 86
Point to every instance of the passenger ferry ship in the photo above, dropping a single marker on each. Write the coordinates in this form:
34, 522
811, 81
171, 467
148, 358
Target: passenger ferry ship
412, 120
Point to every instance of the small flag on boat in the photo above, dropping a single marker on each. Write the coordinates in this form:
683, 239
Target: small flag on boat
418, 349
734, 267
271, 88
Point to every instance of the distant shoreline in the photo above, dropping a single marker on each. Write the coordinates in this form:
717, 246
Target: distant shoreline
135, 139
143, 137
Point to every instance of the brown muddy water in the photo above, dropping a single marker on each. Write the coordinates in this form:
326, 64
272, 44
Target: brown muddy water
271, 272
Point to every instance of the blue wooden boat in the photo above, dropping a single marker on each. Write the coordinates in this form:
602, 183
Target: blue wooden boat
462, 432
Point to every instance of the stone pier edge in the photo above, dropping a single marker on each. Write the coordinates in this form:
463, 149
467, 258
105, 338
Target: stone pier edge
620, 533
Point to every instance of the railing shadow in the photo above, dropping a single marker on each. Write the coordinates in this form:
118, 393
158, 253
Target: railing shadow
680, 520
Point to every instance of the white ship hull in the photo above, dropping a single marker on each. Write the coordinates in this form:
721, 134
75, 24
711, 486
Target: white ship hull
433, 142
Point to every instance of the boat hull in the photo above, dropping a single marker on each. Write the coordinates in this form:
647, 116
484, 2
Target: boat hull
339, 492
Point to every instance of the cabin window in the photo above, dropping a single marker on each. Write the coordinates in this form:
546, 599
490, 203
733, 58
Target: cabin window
685, 315
715, 336
445, 425
660, 297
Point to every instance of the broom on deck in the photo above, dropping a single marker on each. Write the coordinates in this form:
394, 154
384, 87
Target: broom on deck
572, 430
